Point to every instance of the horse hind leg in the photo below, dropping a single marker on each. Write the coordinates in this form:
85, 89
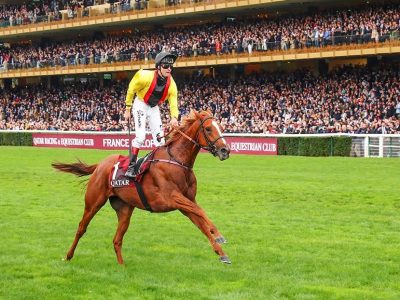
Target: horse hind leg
124, 212
93, 203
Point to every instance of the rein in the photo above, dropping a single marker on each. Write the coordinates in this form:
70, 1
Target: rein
174, 162
210, 144
189, 138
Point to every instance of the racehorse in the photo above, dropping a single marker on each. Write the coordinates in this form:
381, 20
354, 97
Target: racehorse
169, 184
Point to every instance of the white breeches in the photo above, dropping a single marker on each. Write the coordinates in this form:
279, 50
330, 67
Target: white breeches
141, 112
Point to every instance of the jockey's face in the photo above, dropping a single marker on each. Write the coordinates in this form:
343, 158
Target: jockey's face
165, 70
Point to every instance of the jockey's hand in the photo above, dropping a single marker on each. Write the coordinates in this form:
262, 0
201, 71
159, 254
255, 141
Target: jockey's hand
127, 114
174, 123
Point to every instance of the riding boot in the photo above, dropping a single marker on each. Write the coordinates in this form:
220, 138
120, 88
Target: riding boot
131, 172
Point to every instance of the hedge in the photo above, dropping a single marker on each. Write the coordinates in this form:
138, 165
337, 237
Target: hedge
314, 146
15, 138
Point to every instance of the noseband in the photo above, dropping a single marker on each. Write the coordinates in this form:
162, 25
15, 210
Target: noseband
210, 144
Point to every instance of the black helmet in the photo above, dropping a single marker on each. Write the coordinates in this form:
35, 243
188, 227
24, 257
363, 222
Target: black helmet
165, 57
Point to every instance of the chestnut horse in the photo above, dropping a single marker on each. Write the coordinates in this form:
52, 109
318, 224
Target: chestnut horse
169, 184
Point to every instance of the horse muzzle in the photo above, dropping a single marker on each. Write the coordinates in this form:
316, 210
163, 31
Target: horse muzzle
223, 153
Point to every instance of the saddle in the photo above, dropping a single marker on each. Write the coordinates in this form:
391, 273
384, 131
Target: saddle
117, 175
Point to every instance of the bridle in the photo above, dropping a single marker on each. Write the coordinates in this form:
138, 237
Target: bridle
210, 144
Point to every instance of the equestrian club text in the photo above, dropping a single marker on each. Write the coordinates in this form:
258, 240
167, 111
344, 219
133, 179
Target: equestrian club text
240, 146
62, 141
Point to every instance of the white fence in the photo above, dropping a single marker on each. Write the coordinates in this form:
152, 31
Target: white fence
376, 145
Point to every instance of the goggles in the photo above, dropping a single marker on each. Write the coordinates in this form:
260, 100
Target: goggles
166, 66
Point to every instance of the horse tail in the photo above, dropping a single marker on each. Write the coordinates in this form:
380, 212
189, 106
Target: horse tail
79, 169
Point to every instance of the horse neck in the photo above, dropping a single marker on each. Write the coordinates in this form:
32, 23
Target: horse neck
185, 150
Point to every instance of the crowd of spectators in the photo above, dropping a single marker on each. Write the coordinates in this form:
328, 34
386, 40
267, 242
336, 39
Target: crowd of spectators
78, 106
50, 10
38, 11
347, 100
371, 24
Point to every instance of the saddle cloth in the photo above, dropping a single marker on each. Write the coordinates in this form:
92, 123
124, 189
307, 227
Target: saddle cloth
117, 175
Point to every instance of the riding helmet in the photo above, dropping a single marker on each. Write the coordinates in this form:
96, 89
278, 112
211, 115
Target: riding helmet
165, 57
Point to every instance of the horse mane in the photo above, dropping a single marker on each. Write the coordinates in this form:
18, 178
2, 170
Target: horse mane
186, 123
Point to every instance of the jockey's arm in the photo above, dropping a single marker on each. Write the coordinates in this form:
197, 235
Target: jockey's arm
173, 104
130, 94
133, 88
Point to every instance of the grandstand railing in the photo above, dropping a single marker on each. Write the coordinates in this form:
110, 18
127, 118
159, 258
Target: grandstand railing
76, 64
336, 42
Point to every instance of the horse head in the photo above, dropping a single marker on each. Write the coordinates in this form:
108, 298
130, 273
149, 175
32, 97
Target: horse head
209, 135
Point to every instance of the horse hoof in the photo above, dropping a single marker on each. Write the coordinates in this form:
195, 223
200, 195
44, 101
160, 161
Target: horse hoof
225, 259
221, 240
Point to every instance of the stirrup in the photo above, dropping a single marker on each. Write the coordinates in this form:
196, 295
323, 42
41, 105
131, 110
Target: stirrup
131, 172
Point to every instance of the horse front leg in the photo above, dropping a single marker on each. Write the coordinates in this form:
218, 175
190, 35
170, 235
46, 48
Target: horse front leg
198, 217
213, 230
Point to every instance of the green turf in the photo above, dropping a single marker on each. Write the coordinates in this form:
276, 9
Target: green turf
297, 228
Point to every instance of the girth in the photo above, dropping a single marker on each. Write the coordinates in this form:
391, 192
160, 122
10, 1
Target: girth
142, 196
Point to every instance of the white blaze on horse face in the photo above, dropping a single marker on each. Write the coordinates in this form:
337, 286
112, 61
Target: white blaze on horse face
218, 130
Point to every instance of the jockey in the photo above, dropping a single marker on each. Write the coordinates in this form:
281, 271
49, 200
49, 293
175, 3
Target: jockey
151, 88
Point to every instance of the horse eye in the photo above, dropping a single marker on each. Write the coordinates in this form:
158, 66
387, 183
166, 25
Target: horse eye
208, 129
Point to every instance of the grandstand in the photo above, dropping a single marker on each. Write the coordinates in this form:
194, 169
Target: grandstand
265, 66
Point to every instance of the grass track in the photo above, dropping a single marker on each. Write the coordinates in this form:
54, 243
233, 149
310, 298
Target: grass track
297, 228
